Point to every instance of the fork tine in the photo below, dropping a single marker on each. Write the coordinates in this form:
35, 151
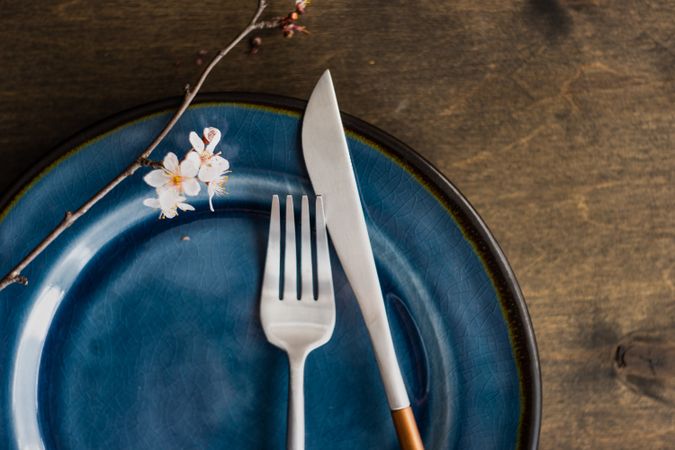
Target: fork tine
291, 256
306, 252
323, 272
270, 286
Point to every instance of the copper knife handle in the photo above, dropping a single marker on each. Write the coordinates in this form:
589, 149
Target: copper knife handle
406, 429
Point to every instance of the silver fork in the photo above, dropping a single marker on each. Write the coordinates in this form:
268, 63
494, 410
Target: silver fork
297, 322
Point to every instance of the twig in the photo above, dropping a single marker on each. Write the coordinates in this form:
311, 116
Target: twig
15, 276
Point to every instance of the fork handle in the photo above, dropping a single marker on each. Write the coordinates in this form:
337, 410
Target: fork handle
296, 403
406, 429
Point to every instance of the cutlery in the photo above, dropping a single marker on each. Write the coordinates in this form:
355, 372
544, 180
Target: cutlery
297, 322
330, 170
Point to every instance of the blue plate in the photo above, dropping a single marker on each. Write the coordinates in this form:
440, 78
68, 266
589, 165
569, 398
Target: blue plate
143, 333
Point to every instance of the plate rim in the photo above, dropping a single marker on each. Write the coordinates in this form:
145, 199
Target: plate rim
510, 296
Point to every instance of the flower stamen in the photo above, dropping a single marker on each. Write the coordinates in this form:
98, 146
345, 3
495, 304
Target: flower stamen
176, 180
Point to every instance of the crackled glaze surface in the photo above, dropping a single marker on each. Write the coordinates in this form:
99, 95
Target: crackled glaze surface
131, 336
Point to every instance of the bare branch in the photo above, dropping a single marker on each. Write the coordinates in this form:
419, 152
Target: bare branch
144, 162
15, 276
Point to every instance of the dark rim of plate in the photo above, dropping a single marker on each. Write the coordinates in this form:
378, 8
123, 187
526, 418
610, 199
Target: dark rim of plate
510, 295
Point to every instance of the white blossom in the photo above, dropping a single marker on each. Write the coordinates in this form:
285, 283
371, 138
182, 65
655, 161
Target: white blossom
175, 176
175, 179
216, 187
210, 164
169, 201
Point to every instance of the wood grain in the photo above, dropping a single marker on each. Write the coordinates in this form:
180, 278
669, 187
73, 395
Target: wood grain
555, 118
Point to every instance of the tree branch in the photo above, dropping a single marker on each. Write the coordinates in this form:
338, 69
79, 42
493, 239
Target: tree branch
15, 276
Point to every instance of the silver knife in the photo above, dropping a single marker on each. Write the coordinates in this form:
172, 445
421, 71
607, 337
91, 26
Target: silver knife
326, 154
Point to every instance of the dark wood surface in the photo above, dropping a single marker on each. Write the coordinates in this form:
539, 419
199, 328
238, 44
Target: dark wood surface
555, 118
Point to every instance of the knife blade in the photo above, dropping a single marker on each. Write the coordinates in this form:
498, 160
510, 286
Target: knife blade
331, 172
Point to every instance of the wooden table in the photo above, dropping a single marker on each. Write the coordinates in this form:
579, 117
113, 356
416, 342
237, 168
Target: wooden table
556, 119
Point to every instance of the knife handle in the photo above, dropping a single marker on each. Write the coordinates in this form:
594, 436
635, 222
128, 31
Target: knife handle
406, 429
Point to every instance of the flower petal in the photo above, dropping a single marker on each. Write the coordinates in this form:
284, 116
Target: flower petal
196, 141
189, 168
185, 207
220, 162
171, 162
151, 202
191, 186
168, 197
208, 173
156, 178
194, 157
212, 136
211, 189
170, 213
163, 194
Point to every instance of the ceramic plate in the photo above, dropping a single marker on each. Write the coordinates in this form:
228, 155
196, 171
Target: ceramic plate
143, 333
